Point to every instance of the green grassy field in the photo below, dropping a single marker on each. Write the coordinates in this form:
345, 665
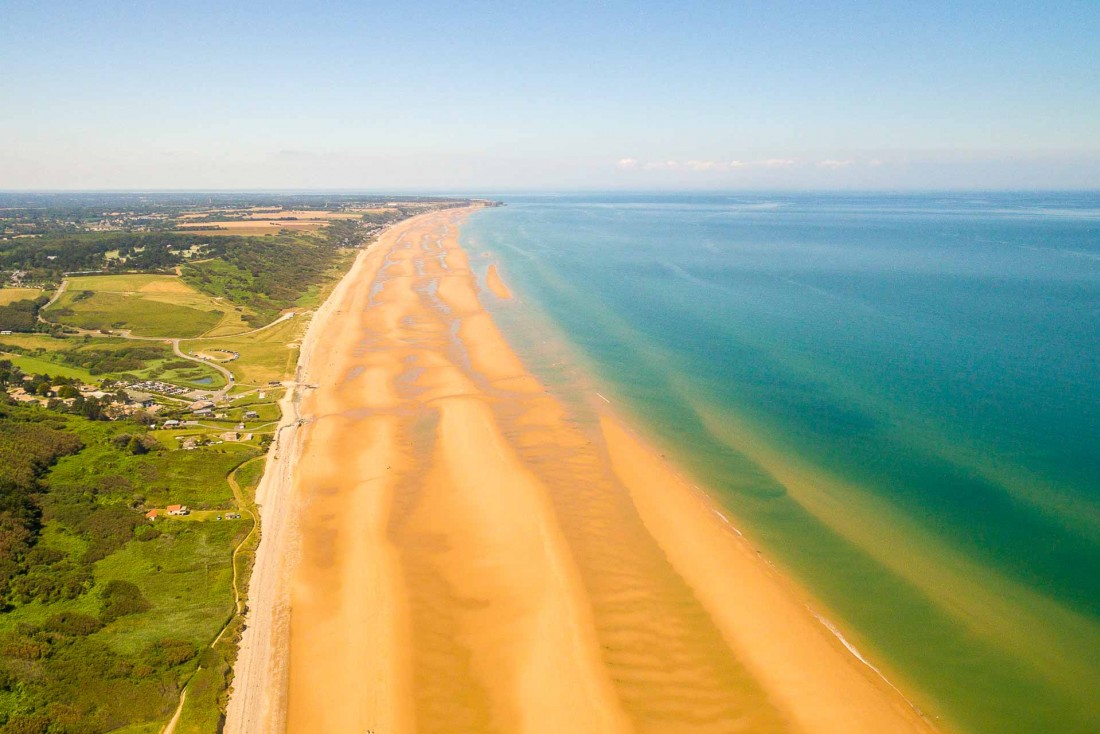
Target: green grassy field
36, 366
265, 355
249, 475
194, 478
11, 295
124, 670
94, 358
185, 573
44, 342
118, 677
146, 305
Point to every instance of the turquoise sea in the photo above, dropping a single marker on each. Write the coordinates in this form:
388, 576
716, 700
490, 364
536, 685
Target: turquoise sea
897, 397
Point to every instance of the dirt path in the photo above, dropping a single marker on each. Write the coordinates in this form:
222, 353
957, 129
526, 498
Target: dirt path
243, 506
238, 596
170, 727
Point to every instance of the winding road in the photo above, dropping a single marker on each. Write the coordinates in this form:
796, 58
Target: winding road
230, 380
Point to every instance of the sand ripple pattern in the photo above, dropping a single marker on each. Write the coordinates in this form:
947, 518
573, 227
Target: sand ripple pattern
474, 558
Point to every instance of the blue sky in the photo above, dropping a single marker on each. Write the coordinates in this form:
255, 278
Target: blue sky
486, 95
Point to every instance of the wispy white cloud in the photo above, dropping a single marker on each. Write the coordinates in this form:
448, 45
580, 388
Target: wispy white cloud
704, 165
697, 165
777, 163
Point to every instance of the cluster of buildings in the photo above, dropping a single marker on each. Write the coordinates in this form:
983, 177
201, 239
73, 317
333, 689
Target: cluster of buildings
125, 221
182, 510
114, 405
156, 386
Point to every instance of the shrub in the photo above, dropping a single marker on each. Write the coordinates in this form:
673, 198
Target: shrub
22, 647
121, 598
72, 624
107, 527
145, 533
169, 653
27, 724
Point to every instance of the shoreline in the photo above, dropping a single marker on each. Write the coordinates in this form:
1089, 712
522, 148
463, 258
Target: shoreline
602, 591
257, 700
782, 597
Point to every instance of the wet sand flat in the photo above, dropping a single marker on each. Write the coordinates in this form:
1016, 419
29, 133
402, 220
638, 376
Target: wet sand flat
474, 558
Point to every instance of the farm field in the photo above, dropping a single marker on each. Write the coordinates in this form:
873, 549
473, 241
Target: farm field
37, 341
251, 227
269, 213
146, 305
303, 214
44, 342
11, 295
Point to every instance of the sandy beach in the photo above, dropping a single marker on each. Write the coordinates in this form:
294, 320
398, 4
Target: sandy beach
447, 549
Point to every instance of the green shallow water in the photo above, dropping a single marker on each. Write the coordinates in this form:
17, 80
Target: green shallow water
897, 397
